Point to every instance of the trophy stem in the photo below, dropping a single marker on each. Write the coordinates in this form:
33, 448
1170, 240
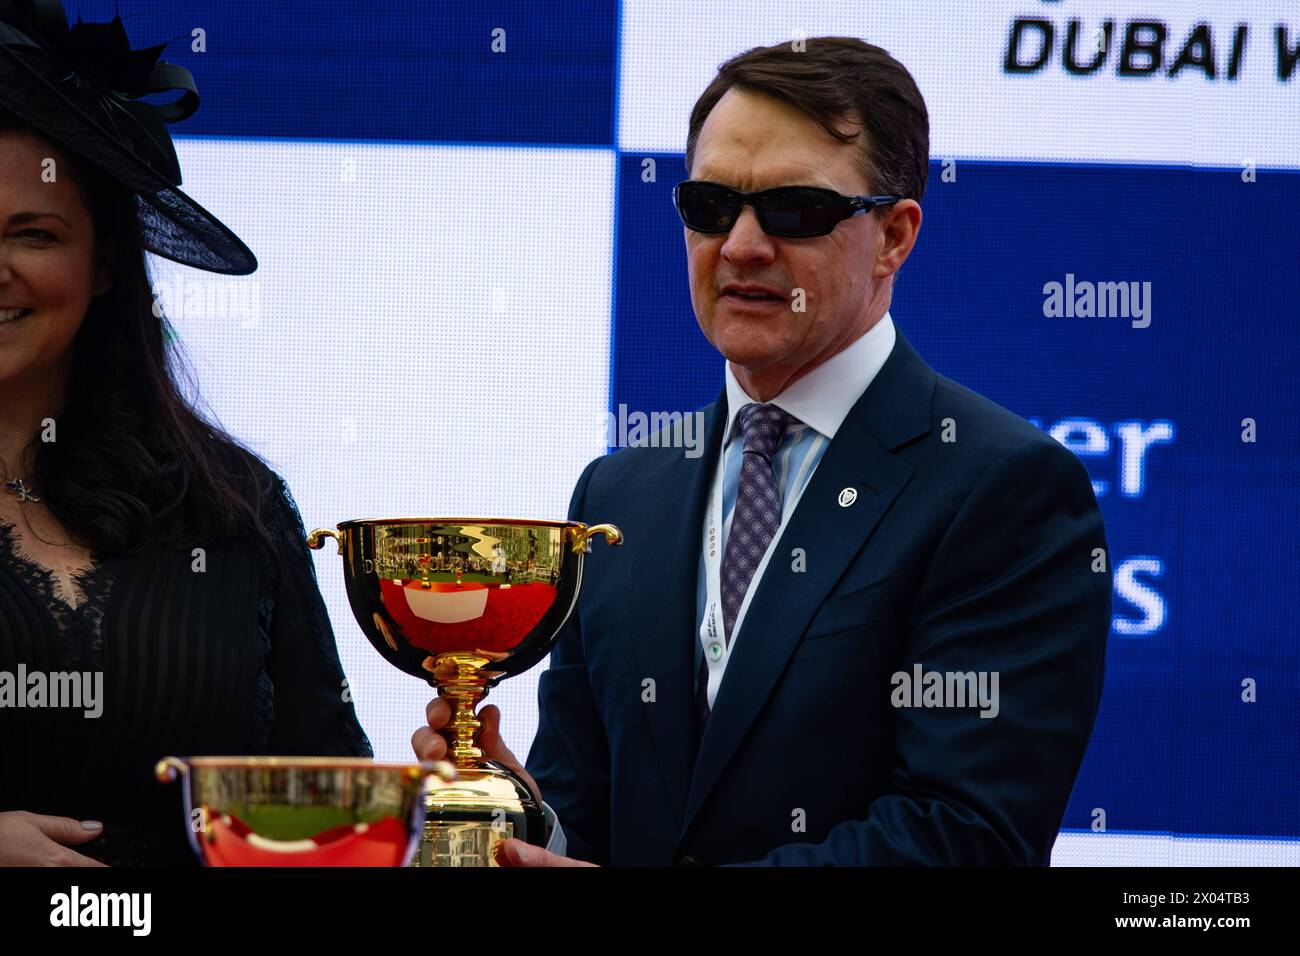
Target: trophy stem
461, 681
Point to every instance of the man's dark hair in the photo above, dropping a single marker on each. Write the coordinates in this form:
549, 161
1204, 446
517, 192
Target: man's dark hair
833, 79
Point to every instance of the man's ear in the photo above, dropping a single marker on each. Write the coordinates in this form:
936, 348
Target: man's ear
898, 234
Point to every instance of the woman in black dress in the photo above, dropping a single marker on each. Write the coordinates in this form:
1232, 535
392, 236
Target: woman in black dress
143, 552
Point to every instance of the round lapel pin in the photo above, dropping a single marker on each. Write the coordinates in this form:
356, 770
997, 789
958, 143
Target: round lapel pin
848, 496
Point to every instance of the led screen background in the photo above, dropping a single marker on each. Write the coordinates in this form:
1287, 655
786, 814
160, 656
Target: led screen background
469, 256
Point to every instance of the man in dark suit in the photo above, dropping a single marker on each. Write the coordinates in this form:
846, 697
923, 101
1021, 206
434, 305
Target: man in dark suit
868, 624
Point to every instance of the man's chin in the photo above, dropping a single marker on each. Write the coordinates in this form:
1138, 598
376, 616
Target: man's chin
749, 354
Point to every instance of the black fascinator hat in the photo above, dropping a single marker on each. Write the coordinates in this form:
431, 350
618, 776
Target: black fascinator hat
81, 87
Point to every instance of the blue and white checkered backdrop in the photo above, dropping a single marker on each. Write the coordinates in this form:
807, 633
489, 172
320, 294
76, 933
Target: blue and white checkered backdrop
468, 259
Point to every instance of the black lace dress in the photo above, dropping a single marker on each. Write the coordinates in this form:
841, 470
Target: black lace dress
232, 654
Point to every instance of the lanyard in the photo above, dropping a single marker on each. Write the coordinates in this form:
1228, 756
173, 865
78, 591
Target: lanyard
717, 650
712, 634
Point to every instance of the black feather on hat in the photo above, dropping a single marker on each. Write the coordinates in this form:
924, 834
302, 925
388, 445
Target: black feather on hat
80, 86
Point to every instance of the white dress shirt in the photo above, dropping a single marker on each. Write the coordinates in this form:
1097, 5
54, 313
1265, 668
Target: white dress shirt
820, 400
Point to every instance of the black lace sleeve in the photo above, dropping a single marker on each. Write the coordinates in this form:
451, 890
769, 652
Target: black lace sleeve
312, 711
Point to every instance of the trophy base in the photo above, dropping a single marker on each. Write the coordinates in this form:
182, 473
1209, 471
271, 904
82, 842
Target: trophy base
465, 821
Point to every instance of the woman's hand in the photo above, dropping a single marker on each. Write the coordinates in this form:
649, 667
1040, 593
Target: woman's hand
32, 839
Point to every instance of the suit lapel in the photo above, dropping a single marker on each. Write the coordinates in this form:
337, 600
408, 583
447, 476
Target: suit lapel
664, 624
894, 409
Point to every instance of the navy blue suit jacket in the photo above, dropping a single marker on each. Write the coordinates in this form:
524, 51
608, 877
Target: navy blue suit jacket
976, 553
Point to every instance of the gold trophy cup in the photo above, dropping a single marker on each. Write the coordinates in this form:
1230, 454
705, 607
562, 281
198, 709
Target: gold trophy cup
463, 603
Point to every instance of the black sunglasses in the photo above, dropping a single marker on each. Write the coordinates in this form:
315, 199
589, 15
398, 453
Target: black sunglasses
795, 212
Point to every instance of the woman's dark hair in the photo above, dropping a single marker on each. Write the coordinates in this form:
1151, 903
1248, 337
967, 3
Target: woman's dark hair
133, 463
831, 79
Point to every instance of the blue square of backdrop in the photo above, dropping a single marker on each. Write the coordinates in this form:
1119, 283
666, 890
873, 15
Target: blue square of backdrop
388, 69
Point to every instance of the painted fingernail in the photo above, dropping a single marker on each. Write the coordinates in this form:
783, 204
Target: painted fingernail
91, 825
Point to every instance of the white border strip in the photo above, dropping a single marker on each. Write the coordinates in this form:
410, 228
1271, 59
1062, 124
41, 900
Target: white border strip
1132, 849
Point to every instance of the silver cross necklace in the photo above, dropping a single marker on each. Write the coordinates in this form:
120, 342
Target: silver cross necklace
16, 486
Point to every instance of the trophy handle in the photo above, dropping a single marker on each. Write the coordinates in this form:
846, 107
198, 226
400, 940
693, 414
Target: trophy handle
581, 543
316, 540
167, 769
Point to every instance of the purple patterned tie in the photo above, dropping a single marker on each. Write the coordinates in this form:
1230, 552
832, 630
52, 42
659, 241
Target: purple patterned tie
754, 523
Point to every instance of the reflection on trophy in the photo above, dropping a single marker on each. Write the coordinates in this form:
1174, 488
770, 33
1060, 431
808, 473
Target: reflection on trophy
303, 811
490, 601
